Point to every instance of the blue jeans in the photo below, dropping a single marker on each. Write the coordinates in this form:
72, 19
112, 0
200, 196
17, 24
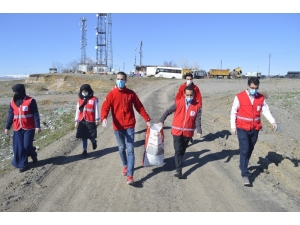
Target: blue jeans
247, 141
85, 143
125, 139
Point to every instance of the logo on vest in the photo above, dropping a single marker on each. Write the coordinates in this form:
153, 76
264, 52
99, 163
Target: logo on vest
192, 113
91, 102
25, 108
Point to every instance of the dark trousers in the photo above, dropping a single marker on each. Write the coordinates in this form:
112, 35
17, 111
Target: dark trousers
247, 141
180, 145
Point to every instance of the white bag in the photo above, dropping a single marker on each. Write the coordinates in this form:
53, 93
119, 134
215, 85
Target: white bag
154, 146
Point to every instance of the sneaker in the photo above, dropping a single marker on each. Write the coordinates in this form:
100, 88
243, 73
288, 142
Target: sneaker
84, 153
246, 181
124, 171
94, 145
130, 180
178, 174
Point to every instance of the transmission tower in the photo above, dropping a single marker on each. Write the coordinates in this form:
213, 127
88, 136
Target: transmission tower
101, 54
83, 41
109, 44
141, 53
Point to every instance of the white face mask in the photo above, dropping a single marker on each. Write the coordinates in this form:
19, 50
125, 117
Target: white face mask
84, 94
188, 82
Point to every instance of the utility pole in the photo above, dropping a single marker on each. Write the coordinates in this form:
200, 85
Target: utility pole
269, 63
141, 53
134, 58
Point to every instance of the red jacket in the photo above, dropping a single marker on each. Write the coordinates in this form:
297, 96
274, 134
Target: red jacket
248, 115
121, 103
88, 112
184, 121
197, 93
23, 117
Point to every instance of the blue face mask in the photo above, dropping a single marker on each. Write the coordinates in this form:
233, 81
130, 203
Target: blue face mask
120, 83
188, 100
252, 91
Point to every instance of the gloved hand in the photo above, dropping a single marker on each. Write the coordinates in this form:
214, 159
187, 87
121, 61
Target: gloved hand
104, 123
76, 125
160, 124
97, 123
198, 135
6, 131
274, 125
149, 124
233, 131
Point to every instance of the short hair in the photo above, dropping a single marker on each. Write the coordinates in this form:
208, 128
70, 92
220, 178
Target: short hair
122, 73
189, 75
189, 88
253, 80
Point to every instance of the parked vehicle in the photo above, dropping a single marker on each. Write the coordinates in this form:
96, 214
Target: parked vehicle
199, 74
217, 73
253, 74
169, 72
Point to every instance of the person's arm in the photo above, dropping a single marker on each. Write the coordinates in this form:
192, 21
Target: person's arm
105, 107
198, 122
76, 113
234, 109
198, 97
267, 113
96, 108
168, 112
179, 93
10, 118
35, 113
139, 107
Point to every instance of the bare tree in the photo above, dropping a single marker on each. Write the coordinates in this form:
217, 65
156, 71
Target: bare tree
58, 66
73, 65
196, 66
184, 63
169, 63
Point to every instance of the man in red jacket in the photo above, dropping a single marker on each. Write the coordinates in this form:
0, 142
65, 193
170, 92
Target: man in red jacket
187, 117
121, 100
245, 122
197, 94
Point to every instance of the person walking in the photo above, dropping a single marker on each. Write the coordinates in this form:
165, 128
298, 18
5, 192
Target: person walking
189, 82
187, 118
197, 94
87, 117
245, 122
121, 101
23, 114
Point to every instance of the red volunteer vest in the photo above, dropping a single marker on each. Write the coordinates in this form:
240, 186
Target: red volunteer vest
88, 112
23, 117
248, 115
184, 121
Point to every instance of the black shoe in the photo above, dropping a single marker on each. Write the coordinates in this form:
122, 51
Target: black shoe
94, 145
34, 160
22, 170
178, 174
84, 153
191, 140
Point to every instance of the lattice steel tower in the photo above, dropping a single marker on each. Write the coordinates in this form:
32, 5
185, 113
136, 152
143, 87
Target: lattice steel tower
101, 53
83, 41
110, 62
141, 53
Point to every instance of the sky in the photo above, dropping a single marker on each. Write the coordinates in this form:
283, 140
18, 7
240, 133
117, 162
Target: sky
252, 36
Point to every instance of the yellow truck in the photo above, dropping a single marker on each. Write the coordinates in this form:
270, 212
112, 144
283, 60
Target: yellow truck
236, 73
217, 73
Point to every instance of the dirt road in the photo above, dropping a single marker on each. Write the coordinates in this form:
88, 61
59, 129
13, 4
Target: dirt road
64, 181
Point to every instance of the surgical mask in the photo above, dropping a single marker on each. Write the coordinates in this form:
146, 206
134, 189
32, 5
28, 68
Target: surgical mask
120, 83
85, 94
188, 100
188, 82
252, 91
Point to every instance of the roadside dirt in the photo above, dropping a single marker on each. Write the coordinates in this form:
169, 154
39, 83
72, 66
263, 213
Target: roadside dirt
64, 181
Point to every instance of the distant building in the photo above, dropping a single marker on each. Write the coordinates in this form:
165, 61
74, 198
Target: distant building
52, 70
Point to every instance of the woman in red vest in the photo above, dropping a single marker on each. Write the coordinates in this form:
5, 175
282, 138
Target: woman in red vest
245, 122
87, 117
187, 118
24, 116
